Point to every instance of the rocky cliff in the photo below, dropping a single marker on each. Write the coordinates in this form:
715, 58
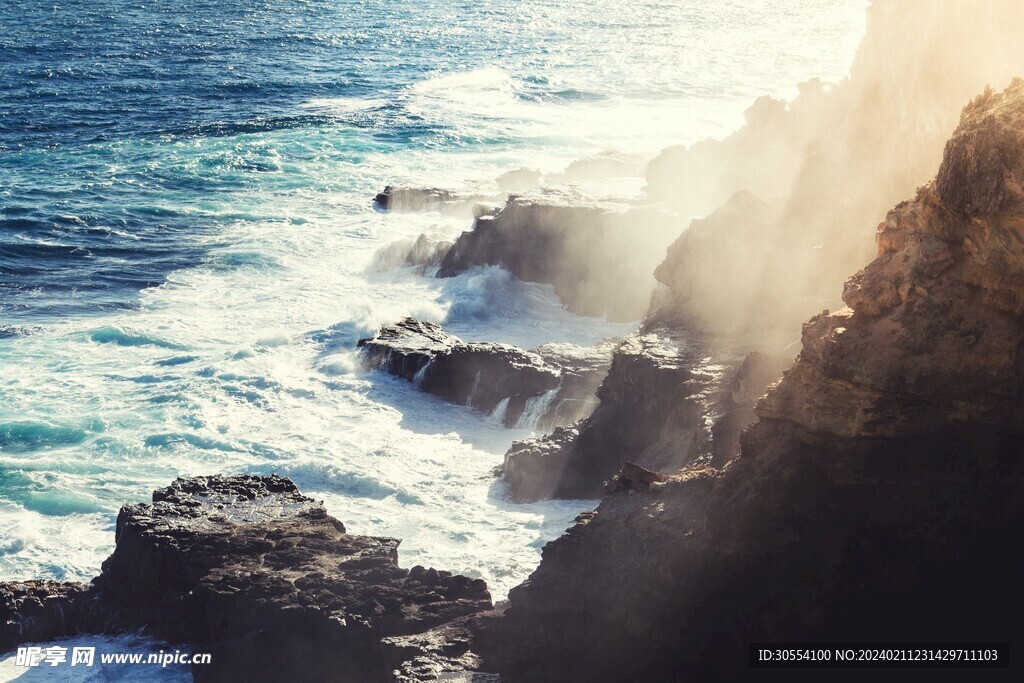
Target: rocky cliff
675, 393
875, 496
799, 191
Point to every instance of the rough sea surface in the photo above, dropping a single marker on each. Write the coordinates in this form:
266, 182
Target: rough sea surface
185, 230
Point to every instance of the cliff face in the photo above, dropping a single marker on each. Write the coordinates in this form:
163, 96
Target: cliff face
834, 160
931, 338
873, 500
803, 184
674, 394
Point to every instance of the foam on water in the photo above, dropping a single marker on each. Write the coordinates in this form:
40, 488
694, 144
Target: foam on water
185, 267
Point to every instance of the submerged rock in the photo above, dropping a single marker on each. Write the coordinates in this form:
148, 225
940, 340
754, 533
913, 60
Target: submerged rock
251, 571
885, 469
550, 385
598, 256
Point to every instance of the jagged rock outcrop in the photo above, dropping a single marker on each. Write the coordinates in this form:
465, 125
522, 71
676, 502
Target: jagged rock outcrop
669, 399
875, 497
251, 571
803, 184
548, 386
598, 255
664, 404
834, 160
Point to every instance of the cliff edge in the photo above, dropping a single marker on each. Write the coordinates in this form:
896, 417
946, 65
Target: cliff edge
873, 500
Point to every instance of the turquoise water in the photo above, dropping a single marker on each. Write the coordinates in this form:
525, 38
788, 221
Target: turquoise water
185, 230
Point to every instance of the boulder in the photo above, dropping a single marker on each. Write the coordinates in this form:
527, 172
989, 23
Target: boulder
249, 570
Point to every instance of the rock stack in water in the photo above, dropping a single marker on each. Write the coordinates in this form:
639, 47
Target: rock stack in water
251, 571
875, 500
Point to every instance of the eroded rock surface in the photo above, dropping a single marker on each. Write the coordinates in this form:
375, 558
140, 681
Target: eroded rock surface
542, 388
251, 571
37, 611
885, 469
674, 394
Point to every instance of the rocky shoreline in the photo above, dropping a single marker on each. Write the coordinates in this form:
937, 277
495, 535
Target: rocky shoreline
741, 501
259, 576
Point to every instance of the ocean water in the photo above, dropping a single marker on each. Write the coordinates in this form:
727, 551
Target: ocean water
186, 229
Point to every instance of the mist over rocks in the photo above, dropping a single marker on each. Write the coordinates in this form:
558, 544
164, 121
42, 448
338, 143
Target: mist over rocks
598, 254
874, 497
551, 385
422, 255
426, 199
668, 400
664, 404
833, 161
249, 570
790, 204
932, 338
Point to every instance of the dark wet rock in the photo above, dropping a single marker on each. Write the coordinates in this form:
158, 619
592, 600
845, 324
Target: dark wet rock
37, 611
590, 251
251, 571
665, 403
886, 468
422, 199
423, 255
444, 653
550, 385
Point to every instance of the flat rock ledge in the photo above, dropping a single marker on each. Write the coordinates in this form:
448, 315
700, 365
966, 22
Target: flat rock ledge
541, 388
261, 577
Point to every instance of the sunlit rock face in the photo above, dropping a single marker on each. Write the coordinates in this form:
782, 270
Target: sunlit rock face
792, 201
933, 338
598, 255
835, 159
874, 499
